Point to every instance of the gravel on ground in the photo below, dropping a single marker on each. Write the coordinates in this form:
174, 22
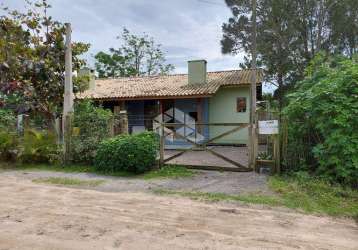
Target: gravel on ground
202, 181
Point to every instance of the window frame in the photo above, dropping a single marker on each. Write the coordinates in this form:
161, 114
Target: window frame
239, 100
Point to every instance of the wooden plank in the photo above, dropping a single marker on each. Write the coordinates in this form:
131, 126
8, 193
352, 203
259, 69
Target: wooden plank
226, 133
206, 124
161, 146
201, 146
276, 152
174, 156
214, 168
226, 159
271, 163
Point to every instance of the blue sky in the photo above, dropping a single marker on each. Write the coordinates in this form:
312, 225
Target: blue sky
187, 29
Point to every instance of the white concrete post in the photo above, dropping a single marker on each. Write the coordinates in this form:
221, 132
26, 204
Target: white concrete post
68, 93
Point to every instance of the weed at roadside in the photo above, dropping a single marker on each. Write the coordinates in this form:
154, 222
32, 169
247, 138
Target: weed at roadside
69, 181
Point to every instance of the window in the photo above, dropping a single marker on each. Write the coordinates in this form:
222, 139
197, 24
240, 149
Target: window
241, 104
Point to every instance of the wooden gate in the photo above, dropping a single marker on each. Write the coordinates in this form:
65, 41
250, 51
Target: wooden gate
201, 145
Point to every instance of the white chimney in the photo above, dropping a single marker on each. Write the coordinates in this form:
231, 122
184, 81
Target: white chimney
197, 72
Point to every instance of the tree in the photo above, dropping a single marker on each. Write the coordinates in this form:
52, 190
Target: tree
289, 35
343, 20
139, 55
113, 64
322, 118
32, 60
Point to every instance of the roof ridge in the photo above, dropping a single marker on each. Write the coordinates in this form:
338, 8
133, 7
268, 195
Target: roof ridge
171, 75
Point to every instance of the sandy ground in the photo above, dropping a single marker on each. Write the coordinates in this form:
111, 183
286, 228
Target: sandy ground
34, 216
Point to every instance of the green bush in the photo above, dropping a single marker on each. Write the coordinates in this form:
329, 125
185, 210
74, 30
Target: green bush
7, 120
132, 153
40, 147
93, 126
8, 146
323, 120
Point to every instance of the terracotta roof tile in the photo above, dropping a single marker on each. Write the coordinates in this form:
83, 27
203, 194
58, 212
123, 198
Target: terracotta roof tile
166, 86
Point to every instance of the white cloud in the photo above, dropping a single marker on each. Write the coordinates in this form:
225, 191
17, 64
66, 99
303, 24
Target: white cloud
187, 29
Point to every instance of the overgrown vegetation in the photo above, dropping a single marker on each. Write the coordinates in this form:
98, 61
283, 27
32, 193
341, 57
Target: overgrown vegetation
39, 147
69, 181
301, 192
132, 153
322, 120
92, 123
315, 195
33, 147
8, 146
7, 120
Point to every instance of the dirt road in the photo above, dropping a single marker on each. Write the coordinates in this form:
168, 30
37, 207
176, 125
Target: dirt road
34, 216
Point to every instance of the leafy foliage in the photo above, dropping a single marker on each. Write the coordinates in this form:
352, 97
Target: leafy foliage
7, 120
93, 125
113, 64
40, 147
139, 55
32, 63
324, 110
289, 35
132, 153
8, 146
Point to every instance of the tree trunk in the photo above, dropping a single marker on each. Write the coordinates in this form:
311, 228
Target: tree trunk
280, 91
321, 14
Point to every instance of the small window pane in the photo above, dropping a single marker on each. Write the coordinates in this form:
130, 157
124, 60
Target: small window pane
241, 104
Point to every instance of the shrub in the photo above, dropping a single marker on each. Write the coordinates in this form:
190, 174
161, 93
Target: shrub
40, 147
93, 125
323, 114
132, 153
8, 146
7, 120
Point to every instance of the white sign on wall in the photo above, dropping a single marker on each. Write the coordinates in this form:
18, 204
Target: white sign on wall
268, 127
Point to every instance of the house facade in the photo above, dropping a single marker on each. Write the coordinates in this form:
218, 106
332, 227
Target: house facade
193, 100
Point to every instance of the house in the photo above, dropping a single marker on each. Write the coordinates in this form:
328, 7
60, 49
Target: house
199, 97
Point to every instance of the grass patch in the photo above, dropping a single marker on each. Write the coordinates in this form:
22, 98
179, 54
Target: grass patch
69, 181
314, 195
215, 197
172, 172
305, 194
165, 172
60, 168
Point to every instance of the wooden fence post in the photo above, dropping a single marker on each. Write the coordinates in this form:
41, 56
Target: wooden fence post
276, 153
111, 127
124, 122
162, 144
58, 129
67, 137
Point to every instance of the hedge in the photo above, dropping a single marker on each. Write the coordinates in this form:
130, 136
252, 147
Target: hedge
131, 153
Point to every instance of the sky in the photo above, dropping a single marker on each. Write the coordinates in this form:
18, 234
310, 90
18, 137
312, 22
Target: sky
187, 29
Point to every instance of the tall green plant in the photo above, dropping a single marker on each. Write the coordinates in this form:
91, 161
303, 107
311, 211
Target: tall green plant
40, 147
323, 113
8, 146
93, 127
7, 120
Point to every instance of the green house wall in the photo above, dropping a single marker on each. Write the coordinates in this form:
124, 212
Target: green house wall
222, 109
